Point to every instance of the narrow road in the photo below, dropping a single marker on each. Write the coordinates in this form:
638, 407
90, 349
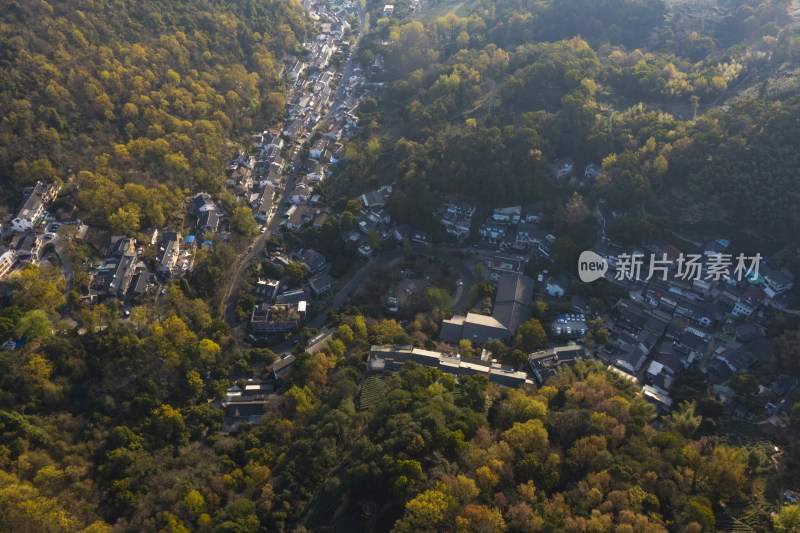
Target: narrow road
255, 248
273, 224
339, 96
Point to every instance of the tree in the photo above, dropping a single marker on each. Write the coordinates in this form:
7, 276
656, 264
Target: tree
38, 288
345, 334
424, 513
125, 221
465, 348
497, 348
684, 422
209, 351
34, 325
530, 335
788, 519
296, 273
725, 473
298, 402
565, 254
168, 425
437, 298
526, 437
373, 240
242, 222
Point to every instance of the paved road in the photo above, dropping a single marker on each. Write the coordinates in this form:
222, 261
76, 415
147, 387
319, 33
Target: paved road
339, 96
255, 248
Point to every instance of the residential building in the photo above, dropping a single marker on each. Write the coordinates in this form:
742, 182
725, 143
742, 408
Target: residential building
528, 233
264, 204
299, 216
168, 256
202, 203
279, 318
475, 327
208, 222
507, 214
322, 284
34, 201
297, 69
749, 301
266, 290
244, 409
495, 231
7, 260
776, 281
28, 247
512, 308
114, 279
512, 304
122, 245
546, 363
318, 148
314, 260
394, 357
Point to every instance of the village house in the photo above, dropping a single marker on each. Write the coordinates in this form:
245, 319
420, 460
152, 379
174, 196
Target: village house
322, 284
34, 202
7, 260
278, 318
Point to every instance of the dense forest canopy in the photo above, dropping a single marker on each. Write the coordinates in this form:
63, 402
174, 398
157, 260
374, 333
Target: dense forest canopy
498, 95
133, 102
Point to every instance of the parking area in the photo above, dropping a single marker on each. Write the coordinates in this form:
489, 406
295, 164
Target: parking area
570, 325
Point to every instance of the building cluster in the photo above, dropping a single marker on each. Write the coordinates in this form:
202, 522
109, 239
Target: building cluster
32, 226
667, 326
511, 308
317, 89
511, 227
382, 358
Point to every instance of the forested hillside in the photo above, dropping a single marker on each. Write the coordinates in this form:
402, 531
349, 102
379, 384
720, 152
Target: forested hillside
112, 427
136, 100
645, 89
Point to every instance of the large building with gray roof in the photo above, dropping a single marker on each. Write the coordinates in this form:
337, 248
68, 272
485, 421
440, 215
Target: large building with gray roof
512, 307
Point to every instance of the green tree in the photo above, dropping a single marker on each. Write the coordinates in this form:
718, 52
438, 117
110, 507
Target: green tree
345, 334
788, 519
167, 424
38, 288
125, 221
242, 222
34, 325
530, 335
497, 348
424, 513
296, 273
684, 422
437, 298
465, 348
